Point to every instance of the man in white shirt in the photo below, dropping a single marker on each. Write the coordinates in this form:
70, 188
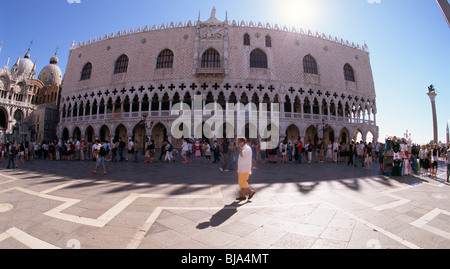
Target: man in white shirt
130, 149
335, 150
184, 149
244, 169
77, 148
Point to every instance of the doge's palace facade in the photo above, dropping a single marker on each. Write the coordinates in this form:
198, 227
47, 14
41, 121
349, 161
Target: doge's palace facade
114, 82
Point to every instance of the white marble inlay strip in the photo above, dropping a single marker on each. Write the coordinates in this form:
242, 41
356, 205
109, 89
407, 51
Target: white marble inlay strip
373, 226
62, 186
422, 222
426, 218
28, 240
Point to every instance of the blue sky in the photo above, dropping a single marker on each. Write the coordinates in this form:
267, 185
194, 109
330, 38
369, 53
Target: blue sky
409, 40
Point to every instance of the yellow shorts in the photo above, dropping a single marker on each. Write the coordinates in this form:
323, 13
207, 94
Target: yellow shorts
243, 178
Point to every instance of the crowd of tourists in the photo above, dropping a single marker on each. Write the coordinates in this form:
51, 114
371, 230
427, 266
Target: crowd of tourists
221, 151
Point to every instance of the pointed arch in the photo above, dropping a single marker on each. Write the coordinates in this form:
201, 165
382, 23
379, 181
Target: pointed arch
109, 105
268, 41
292, 132
165, 59
176, 98
187, 98
86, 71
87, 108
135, 104
126, 104
315, 106
118, 104
121, 65
246, 39
233, 98
81, 109
349, 74
244, 98
255, 100
75, 110
258, 59
324, 107
102, 107
287, 104
297, 105
165, 102
306, 106
221, 100
209, 98
310, 65
344, 135
94, 107
210, 59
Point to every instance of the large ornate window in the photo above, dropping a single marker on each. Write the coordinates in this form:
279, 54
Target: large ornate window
246, 40
258, 59
309, 65
86, 71
210, 59
165, 59
348, 73
121, 65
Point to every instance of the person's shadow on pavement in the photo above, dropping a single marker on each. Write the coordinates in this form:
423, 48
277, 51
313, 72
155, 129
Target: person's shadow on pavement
221, 216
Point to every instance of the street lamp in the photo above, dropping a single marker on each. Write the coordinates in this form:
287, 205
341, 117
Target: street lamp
432, 94
322, 129
143, 125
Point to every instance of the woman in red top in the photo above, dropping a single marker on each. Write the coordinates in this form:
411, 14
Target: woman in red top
300, 150
3, 152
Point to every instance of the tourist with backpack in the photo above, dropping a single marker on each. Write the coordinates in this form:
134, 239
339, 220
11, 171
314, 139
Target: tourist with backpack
12, 151
121, 148
168, 149
101, 153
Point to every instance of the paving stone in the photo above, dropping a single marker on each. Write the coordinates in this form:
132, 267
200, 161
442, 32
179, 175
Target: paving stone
306, 206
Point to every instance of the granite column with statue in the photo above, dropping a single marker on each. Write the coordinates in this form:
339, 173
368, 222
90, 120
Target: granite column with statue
432, 94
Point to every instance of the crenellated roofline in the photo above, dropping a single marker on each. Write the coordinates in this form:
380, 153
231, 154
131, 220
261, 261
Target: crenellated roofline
234, 23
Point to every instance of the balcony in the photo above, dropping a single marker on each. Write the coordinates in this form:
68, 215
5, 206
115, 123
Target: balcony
210, 72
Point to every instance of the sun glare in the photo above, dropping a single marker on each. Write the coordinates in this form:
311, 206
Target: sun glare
297, 13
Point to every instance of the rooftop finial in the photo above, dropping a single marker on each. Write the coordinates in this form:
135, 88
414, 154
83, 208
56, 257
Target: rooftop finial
27, 55
213, 13
34, 66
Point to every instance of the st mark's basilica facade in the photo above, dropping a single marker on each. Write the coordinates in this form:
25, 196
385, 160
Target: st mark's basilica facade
29, 105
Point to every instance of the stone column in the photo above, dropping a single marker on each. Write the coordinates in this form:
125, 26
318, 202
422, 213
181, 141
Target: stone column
329, 111
140, 108
301, 109
90, 112
432, 96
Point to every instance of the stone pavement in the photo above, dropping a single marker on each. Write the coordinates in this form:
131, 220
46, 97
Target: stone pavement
61, 204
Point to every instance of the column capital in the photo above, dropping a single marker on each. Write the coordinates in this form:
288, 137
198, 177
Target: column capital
432, 96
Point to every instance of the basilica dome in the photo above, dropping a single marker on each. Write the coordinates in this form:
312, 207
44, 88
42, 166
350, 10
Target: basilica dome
25, 65
51, 74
